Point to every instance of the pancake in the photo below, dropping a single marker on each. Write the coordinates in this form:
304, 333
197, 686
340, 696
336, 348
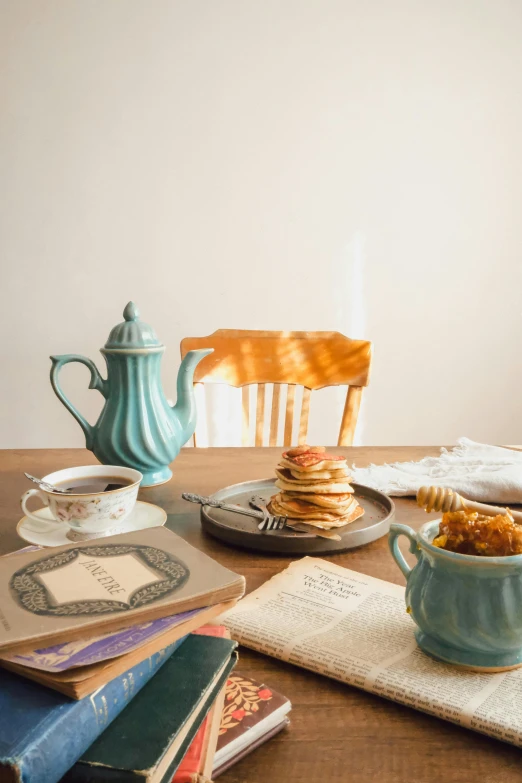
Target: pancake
319, 464
301, 509
283, 474
295, 450
321, 475
318, 487
283, 509
357, 513
312, 458
342, 500
324, 524
314, 489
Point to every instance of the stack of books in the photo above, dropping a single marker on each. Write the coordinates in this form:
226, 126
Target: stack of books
103, 678
250, 714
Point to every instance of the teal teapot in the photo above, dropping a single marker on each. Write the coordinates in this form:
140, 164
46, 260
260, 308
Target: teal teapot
137, 427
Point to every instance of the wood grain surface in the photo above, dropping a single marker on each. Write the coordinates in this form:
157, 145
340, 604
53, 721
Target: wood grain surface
338, 734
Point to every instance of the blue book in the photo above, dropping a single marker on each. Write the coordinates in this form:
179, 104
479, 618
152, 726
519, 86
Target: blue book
43, 733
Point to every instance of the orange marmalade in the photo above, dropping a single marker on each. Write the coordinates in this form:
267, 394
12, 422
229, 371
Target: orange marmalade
470, 533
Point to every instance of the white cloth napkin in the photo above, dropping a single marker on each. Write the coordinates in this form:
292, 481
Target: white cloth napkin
474, 470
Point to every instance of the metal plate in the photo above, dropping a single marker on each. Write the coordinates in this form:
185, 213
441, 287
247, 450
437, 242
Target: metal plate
239, 530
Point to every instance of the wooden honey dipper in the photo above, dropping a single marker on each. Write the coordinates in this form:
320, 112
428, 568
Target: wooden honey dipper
443, 499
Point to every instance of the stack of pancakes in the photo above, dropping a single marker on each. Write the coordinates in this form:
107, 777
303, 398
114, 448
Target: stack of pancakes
315, 489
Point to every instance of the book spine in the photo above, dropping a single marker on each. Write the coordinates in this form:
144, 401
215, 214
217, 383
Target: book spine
54, 751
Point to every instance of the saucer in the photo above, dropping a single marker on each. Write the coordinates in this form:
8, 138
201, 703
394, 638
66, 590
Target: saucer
144, 515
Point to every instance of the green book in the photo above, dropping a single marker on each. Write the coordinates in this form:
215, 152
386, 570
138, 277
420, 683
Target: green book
147, 742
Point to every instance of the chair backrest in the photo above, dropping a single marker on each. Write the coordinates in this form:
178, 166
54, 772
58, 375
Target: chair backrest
312, 360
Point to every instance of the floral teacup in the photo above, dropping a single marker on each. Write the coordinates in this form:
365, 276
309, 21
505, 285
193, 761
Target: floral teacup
90, 515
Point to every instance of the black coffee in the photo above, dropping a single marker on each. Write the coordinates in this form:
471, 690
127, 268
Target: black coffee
93, 485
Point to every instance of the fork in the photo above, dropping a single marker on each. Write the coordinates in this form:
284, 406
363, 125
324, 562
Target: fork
204, 501
269, 521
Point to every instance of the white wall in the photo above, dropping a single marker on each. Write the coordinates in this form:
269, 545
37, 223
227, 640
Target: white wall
285, 164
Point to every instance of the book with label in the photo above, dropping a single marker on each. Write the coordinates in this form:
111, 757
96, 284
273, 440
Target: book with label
42, 733
80, 590
148, 741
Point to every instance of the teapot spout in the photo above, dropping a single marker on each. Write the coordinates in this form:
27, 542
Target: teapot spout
185, 407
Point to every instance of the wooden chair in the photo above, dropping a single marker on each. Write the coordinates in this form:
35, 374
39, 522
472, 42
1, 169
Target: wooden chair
312, 360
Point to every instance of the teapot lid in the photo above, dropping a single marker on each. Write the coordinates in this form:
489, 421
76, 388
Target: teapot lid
132, 333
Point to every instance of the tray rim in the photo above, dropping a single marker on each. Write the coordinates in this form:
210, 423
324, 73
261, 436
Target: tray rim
269, 542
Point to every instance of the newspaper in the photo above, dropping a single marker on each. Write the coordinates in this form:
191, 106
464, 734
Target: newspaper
355, 629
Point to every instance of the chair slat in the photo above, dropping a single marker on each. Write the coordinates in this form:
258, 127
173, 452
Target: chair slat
274, 419
303, 420
260, 413
350, 413
245, 423
289, 415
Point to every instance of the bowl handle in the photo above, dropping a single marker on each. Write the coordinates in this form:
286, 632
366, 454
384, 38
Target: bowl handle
393, 542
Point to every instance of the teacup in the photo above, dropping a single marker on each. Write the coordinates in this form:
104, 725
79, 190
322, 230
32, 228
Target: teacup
91, 514
466, 607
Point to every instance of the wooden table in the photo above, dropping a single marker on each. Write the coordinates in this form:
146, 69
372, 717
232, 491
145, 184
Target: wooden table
338, 734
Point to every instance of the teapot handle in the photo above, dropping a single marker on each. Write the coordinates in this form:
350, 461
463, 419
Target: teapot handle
97, 382
393, 542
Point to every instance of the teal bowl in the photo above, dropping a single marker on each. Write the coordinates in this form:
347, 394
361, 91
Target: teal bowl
468, 609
